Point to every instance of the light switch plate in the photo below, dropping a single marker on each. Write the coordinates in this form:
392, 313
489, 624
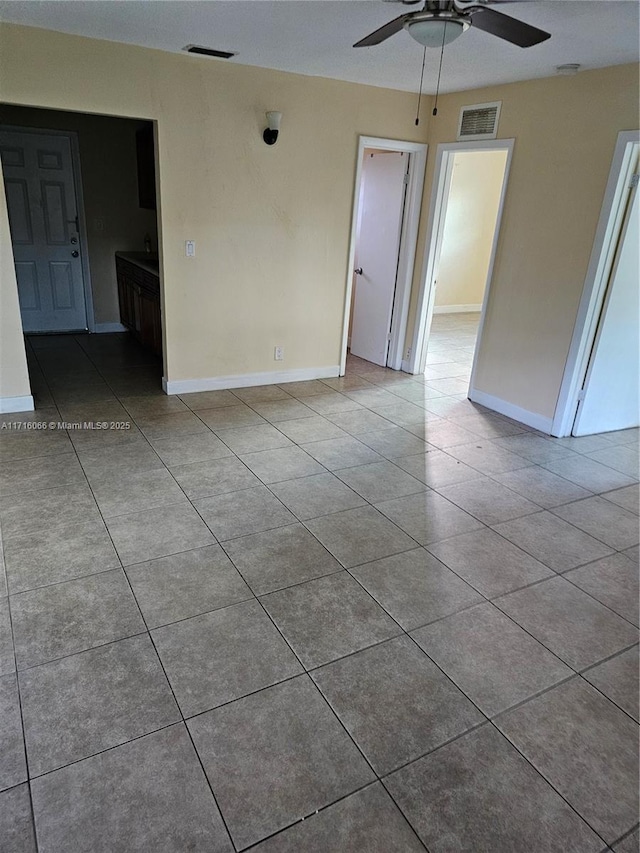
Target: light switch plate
190, 248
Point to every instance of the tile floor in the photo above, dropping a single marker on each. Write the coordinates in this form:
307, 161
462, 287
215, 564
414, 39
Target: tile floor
359, 614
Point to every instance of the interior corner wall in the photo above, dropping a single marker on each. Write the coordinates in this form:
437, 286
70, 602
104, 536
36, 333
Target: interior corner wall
14, 376
565, 131
469, 228
271, 223
114, 220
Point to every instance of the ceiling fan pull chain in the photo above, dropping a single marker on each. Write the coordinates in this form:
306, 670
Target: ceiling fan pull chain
435, 105
424, 57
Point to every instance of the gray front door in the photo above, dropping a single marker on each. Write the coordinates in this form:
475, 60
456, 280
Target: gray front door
43, 217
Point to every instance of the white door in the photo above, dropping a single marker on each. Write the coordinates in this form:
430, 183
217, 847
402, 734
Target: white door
611, 390
377, 247
43, 217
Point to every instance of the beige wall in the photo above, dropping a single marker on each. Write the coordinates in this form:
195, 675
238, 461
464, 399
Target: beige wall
271, 224
110, 189
469, 227
565, 130
14, 378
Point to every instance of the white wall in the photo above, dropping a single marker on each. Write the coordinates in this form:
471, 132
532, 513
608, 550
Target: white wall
469, 227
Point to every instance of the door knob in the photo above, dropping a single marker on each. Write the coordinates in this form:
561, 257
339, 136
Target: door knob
75, 253
358, 271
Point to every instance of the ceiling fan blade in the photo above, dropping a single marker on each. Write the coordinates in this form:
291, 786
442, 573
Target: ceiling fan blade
505, 27
466, 4
383, 33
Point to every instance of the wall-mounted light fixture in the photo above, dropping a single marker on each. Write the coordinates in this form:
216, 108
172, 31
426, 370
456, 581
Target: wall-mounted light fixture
271, 132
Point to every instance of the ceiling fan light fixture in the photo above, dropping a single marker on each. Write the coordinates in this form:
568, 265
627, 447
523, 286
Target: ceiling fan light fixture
436, 32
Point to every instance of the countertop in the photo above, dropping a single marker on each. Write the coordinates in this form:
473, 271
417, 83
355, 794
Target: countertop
141, 259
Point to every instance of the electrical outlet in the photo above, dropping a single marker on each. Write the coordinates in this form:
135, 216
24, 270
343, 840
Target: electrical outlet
278, 353
190, 248
408, 353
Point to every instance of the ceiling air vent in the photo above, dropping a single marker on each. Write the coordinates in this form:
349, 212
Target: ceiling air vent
479, 121
208, 51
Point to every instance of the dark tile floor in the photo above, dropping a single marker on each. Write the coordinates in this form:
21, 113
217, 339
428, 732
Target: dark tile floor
359, 614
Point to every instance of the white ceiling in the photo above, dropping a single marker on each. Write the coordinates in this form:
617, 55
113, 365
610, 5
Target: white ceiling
314, 37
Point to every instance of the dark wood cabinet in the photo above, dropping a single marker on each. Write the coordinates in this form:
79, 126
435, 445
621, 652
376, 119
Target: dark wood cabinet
139, 298
150, 326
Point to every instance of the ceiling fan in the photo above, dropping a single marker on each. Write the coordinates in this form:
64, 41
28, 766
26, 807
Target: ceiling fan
440, 22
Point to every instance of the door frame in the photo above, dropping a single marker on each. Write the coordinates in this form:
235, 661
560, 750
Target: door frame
437, 214
408, 243
72, 135
595, 286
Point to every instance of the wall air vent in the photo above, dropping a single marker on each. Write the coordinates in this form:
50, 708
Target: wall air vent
479, 121
208, 51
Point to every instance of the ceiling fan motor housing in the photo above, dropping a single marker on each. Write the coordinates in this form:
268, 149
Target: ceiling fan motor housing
436, 28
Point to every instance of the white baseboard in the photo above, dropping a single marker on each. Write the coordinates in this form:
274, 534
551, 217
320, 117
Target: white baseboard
16, 404
516, 413
405, 365
244, 380
457, 309
105, 328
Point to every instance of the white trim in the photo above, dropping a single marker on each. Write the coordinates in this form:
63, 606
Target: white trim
245, 380
427, 295
16, 404
604, 244
458, 309
439, 195
160, 232
82, 228
408, 242
516, 413
74, 145
105, 328
407, 256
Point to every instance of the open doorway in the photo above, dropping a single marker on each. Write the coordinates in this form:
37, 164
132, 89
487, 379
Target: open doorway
469, 188
80, 192
386, 210
600, 387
